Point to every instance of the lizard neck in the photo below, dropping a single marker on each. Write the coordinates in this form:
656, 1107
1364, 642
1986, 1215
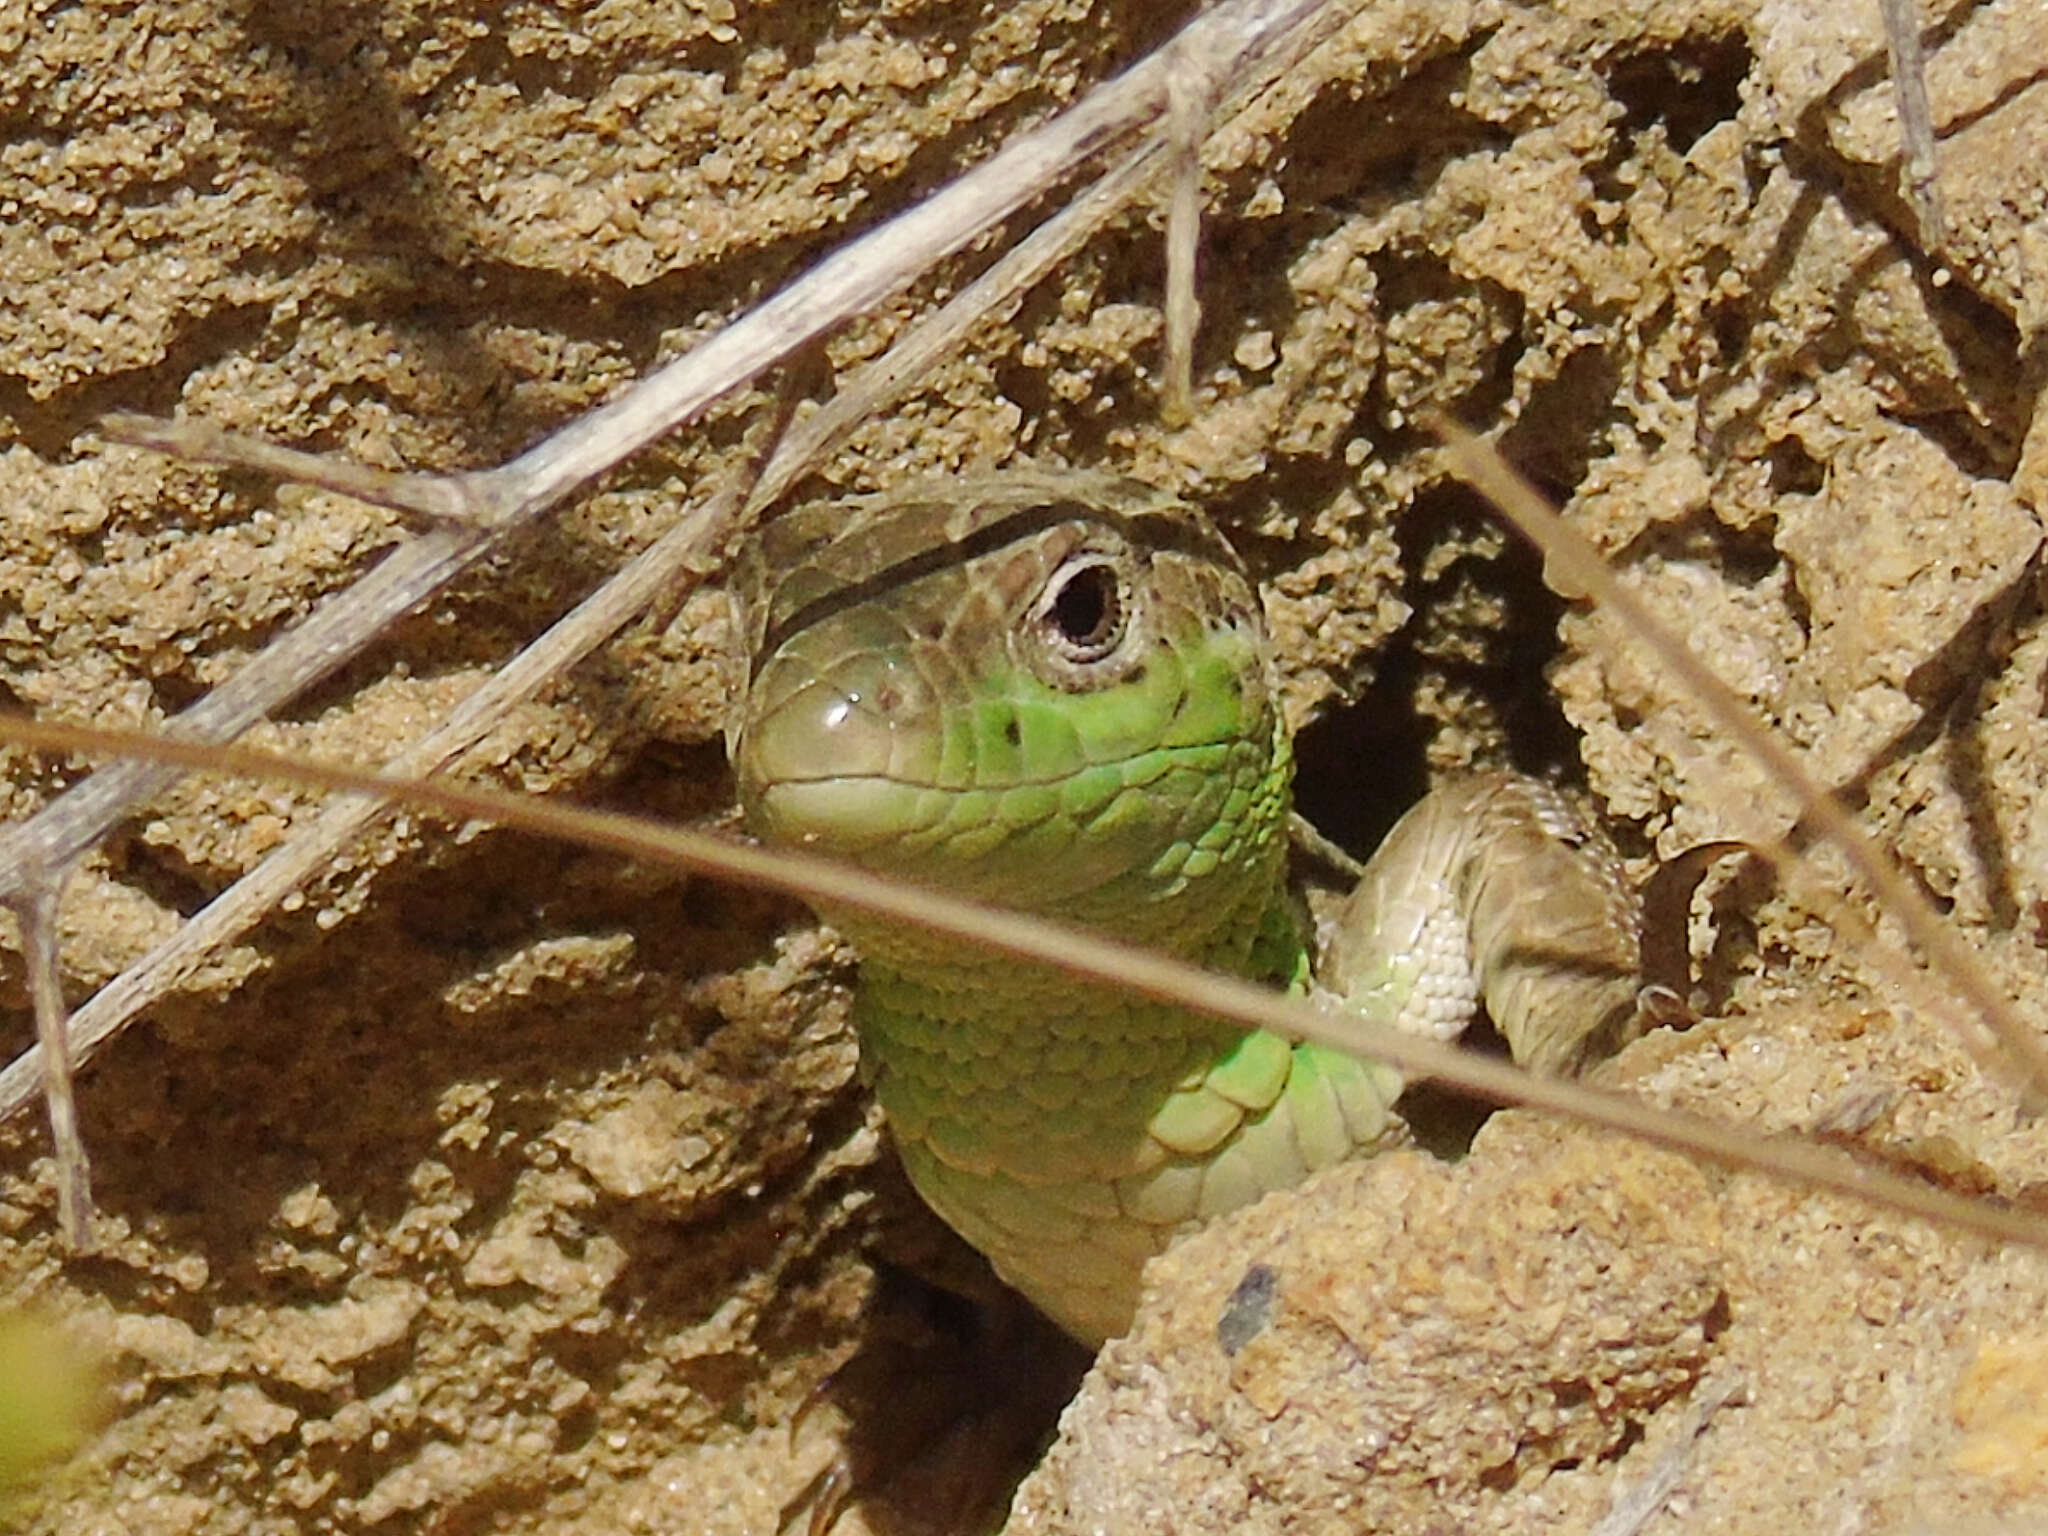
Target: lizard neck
1010, 1066
1006, 1066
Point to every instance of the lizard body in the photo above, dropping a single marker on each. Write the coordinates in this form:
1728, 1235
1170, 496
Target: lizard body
1052, 690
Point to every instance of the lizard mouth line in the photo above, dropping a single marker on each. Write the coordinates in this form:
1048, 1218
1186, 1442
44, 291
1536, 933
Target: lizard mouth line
879, 780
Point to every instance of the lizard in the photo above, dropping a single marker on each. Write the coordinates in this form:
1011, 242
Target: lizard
1053, 690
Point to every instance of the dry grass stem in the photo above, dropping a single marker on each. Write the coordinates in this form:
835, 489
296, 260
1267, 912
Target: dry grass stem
1085, 955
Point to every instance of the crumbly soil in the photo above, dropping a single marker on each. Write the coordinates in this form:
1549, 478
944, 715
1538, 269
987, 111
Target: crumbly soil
491, 1185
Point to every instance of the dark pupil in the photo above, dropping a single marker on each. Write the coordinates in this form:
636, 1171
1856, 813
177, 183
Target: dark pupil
1085, 609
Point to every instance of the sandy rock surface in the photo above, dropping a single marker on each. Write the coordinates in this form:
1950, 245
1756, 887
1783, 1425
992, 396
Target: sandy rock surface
1567, 1330
489, 1185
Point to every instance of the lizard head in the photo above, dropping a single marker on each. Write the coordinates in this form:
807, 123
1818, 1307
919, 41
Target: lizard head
1050, 690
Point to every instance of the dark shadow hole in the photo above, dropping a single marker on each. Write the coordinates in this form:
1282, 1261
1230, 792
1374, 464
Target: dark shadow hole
1687, 88
1794, 471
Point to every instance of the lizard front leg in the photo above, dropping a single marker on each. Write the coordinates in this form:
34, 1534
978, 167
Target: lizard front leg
1494, 890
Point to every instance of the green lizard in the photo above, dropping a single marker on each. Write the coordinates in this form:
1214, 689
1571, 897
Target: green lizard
1053, 691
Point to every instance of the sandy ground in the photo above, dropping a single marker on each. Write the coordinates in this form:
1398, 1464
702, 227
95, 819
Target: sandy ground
491, 1186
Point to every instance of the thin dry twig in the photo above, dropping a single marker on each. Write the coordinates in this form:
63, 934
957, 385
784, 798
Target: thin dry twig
1230, 52
1190, 106
667, 568
1639, 1503
1918, 180
37, 912
1242, 42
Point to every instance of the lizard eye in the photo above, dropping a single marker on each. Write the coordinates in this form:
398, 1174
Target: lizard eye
1084, 609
